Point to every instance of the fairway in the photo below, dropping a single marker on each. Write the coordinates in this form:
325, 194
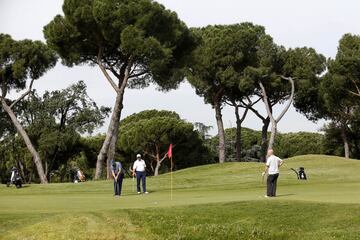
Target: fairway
220, 201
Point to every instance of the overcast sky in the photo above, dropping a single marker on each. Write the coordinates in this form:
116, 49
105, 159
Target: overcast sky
318, 24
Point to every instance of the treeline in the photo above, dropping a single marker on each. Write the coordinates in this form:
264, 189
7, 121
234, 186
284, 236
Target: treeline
57, 121
140, 42
288, 144
54, 124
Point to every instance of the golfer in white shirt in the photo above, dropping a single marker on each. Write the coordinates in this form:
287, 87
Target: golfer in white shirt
139, 169
272, 166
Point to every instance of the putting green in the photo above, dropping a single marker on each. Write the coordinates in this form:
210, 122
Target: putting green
55, 210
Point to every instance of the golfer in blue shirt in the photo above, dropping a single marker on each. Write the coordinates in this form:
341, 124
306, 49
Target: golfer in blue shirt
118, 174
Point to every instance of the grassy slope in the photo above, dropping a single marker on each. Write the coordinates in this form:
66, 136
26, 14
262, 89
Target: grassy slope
229, 205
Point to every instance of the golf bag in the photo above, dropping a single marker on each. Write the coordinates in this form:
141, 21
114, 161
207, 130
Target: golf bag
78, 176
301, 175
15, 178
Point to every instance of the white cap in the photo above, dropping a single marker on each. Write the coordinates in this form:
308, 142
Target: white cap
138, 156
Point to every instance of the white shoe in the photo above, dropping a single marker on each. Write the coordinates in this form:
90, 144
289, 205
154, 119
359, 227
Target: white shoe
266, 196
139, 192
146, 192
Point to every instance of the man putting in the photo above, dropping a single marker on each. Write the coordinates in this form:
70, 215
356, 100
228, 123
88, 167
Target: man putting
139, 168
118, 174
272, 166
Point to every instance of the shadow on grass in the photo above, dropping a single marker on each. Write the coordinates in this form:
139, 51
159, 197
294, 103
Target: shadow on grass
285, 195
138, 194
12, 186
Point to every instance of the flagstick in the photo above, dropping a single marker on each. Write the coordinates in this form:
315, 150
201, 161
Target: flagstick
171, 180
133, 181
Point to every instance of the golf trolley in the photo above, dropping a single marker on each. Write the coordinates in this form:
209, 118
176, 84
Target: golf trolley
301, 175
15, 178
78, 176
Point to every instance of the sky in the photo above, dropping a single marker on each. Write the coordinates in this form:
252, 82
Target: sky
318, 24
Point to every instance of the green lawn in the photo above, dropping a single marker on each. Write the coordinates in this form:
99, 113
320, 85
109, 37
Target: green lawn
209, 202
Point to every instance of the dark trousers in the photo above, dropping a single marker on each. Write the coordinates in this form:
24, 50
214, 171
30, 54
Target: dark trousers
118, 184
141, 176
271, 184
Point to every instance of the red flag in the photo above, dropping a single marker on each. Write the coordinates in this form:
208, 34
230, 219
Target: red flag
170, 151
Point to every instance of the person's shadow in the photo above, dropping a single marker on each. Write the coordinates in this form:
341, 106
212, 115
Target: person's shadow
285, 195
23, 186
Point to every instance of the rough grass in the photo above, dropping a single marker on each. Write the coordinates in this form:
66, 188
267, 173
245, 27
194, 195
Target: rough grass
209, 202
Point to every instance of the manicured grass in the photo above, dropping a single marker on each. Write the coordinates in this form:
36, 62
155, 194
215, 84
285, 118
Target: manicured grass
253, 220
209, 202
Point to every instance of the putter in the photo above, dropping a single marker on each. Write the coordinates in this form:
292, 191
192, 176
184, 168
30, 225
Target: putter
263, 178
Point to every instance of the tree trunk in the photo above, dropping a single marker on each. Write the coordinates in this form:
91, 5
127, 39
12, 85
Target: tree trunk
21, 166
30, 177
29, 145
268, 108
157, 167
238, 141
123, 78
114, 123
112, 149
221, 132
345, 140
158, 162
63, 173
47, 170
264, 142
273, 134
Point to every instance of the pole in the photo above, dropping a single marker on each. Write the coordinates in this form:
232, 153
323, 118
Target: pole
171, 179
133, 177
133, 182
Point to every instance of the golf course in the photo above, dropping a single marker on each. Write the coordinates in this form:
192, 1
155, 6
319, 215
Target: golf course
218, 201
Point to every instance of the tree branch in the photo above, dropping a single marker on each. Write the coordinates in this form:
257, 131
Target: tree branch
134, 68
3, 90
274, 102
230, 103
256, 101
249, 103
257, 113
290, 98
163, 158
112, 70
244, 114
23, 95
150, 154
357, 89
102, 67
126, 75
218, 94
354, 93
265, 99
137, 74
